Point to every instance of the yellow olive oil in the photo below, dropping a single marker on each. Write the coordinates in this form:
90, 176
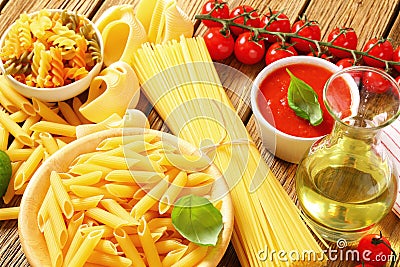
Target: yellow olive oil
344, 194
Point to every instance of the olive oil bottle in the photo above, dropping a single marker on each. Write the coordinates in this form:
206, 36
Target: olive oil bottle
346, 183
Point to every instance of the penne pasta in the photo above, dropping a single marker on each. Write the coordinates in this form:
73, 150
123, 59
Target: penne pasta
10, 213
109, 260
128, 247
106, 230
19, 116
75, 244
86, 248
107, 247
199, 178
165, 246
148, 245
121, 190
106, 217
14, 97
76, 104
173, 257
48, 142
116, 209
86, 203
86, 168
54, 249
4, 134
73, 226
21, 154
69, 114
7, 104
62, 197
192, 258
13, 128
54, 128
150, 199
57, 221
112, 162
90, 178
47, 113
169, 197
28, 167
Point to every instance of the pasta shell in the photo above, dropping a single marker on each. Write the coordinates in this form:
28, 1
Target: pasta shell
156, 19
112, 14
177, 23
122, 35
144, 12
110, 92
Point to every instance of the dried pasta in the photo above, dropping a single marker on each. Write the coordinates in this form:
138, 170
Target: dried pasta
39, 49
125, 231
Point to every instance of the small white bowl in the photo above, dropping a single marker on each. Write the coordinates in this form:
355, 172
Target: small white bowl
284, 146
58, 93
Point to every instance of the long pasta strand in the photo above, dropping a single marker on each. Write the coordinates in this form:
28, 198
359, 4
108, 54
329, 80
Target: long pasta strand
181, 82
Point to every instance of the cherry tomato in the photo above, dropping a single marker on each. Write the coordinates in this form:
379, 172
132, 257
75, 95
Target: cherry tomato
278, 50
323, 56
372, 251
346, 38
247, 50
396, 57
218, 45
221, 11
375, 83
251, 19
345, 63
382, 50
275, 22
311, 31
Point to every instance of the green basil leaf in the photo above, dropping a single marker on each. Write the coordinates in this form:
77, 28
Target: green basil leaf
303, 100
196, 219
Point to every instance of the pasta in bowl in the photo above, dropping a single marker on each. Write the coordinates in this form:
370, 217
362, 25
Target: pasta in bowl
51, 54
111, 198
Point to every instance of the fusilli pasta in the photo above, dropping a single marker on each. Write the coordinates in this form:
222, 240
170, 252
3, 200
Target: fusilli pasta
50, 49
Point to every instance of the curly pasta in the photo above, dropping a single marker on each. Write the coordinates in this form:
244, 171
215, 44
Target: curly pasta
50, 49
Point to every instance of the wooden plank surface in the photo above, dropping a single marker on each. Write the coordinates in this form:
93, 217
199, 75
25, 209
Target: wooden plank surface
368, 17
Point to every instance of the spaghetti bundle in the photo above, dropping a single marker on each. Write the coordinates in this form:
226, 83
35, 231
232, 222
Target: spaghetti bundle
181, 82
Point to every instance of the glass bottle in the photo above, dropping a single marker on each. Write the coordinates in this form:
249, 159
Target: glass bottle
346, 182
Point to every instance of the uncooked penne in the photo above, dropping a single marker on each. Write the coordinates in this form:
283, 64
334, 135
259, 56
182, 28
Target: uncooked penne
121, 190
52, 246
116, 209
148, 244
86, 248
76, 104
90, 178
74, 246
169, 197
106, 217
69, 114
13, 128
192, 258
13, 96
48, 142
47, 113
86, 203
4, 134
86, 168
19, 116
10, 213
21, 154
54, 128
62, 197
128, 247
57, 221
109, 260
7, 104
106, 246
27, 168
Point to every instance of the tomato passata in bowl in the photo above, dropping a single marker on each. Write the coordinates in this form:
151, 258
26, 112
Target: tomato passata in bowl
283, 132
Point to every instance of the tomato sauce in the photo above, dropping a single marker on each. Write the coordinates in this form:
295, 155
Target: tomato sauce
274, 90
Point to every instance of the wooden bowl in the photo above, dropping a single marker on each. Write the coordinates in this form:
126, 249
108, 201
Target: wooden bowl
32, 240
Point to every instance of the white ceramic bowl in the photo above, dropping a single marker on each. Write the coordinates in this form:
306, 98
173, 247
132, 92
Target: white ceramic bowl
284, 146
58, 93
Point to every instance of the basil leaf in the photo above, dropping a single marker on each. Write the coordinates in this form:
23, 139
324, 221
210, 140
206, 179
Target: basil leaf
303, 100
196, 219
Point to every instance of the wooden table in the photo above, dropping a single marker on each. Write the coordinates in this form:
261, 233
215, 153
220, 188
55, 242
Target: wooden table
369, 18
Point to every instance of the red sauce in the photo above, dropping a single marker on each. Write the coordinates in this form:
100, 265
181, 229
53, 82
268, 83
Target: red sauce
274, 89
